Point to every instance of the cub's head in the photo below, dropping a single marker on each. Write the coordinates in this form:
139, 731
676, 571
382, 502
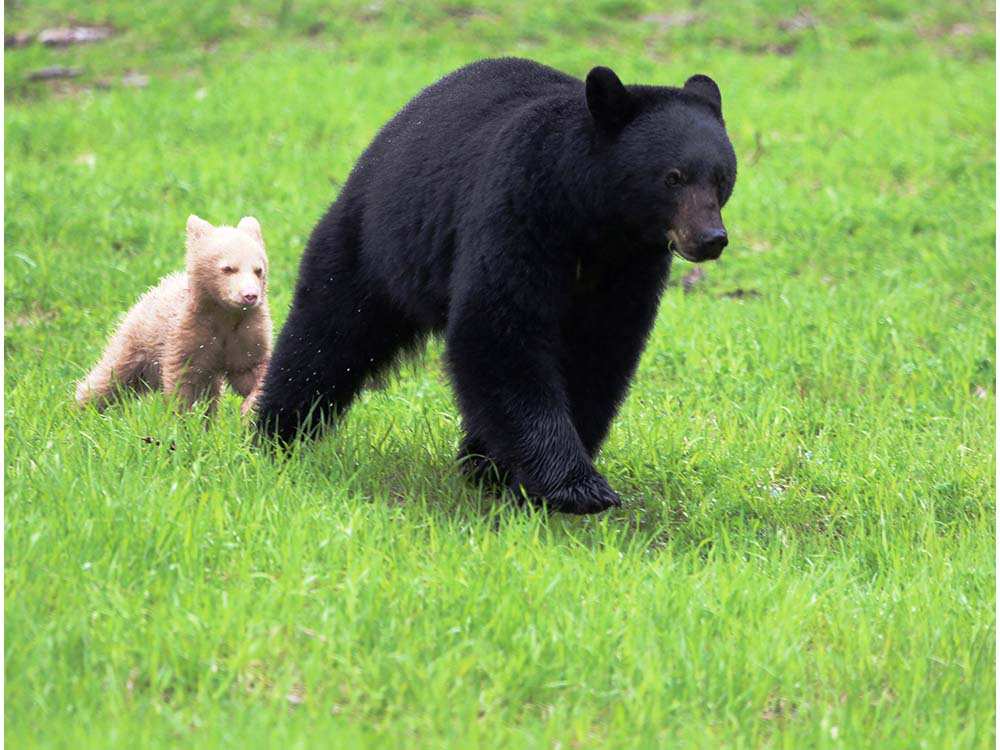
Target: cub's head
227, 265
667, 162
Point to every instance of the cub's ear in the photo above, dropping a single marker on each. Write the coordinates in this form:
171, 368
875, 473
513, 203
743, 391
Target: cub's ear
706, 88
197, 227
251, 226
608, 100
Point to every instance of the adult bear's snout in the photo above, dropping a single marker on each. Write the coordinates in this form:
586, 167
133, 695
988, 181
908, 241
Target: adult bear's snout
711, 243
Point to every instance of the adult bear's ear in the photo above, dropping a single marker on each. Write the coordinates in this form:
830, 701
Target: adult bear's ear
706, 88
608, 100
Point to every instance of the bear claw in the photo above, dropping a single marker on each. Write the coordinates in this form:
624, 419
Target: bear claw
591, 495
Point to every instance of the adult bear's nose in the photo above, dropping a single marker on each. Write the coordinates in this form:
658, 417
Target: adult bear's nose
710, 243
249, 298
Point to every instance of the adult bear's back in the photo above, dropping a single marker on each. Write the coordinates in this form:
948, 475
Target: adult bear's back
467, 105
415, 181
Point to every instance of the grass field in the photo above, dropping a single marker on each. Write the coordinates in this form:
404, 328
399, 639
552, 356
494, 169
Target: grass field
806, 553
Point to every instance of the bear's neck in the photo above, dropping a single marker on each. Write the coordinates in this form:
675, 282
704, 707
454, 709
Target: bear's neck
581, 184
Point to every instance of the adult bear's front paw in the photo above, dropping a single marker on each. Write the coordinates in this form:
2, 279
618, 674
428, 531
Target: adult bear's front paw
590, 495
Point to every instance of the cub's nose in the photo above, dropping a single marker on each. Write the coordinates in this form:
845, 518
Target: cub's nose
710, 244
250, 299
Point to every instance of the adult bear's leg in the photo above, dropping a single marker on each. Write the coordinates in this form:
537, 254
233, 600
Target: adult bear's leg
478, 465
611, 316
503, 341
340, 330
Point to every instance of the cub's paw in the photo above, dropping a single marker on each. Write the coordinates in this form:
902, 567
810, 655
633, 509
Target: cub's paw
589, 495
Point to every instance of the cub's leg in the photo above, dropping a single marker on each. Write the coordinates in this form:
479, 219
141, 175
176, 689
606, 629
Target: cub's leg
190, 380
212, 394
120, 368
247, 383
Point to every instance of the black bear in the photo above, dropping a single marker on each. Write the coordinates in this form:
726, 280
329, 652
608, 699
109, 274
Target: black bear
531, 217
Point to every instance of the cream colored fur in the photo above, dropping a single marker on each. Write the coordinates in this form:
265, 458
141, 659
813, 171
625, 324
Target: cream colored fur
195, 329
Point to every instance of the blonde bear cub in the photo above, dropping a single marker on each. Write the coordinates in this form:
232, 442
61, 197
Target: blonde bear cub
196, 328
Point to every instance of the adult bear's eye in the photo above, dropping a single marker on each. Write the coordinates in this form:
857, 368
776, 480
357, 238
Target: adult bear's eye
674, 178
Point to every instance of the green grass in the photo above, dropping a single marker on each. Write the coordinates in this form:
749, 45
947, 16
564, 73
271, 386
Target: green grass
806, 553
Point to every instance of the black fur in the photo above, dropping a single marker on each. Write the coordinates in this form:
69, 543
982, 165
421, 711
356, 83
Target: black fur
524, 214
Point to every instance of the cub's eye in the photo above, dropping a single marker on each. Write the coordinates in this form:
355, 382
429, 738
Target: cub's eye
228, 269
674, 178
258, 271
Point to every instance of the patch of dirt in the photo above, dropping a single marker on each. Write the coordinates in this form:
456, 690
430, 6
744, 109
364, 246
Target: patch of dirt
692, 279
135, 80
371, 12
54, 73
799, 22
778, 708
676, 20
954, 39
464, 14
741, 293
67, 35
962, 29
782, 48
17, 39
956, 30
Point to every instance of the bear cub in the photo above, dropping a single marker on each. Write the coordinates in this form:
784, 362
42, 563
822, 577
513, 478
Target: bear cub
531, 218
195, 329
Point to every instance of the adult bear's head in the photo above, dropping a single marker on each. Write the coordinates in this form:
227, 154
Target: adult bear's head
665, 161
